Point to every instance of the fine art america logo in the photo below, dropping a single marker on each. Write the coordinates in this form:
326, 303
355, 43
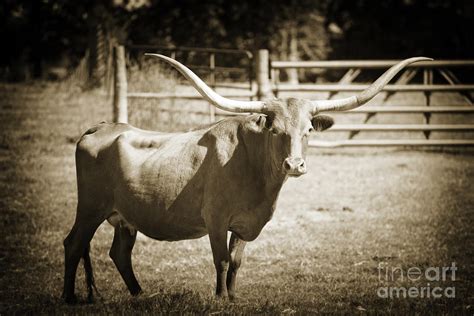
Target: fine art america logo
425, 283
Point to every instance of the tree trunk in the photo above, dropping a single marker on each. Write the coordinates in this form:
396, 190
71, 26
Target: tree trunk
97, 55
36, 45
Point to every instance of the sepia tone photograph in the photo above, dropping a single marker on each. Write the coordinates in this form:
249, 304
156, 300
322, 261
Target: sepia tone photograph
223, 157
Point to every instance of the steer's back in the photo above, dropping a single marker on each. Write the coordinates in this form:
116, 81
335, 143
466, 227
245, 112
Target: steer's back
150, 180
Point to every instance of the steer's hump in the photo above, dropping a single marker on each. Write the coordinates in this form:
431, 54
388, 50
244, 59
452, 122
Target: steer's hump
98, 138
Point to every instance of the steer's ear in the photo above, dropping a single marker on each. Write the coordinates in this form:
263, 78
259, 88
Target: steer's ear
261, 122
322, 122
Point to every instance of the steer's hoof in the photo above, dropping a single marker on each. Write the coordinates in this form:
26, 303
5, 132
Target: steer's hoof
70, 299
136, 292
232, 297
221, 297
90, 299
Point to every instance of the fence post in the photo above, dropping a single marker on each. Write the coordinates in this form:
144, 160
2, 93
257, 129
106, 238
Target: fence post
264, 88
120, 86
427, 80
212, 79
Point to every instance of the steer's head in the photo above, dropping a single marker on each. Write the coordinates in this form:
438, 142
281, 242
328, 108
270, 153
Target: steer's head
287, 123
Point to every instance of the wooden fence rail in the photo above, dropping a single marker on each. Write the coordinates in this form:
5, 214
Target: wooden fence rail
402, 127
191, 96
413, 109
391, 142
360, 87
367, 64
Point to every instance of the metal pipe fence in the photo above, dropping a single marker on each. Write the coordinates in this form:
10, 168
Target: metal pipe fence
442, 68
266, 85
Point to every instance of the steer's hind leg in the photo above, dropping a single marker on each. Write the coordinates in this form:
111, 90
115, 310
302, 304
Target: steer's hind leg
236, 250
75, 245
90, 282
121, 254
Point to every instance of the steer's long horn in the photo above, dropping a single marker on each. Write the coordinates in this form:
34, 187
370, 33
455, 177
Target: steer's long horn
209, 94
358, 100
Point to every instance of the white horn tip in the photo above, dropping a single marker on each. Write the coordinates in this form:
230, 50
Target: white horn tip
421, 58
156, 55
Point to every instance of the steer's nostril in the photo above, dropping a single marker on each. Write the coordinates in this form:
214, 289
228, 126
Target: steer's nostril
302, 167
286, 164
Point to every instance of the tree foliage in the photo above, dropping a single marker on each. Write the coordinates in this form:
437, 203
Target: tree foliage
38, 31
400, 28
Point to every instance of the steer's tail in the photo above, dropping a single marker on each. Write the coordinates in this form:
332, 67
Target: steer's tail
89, 275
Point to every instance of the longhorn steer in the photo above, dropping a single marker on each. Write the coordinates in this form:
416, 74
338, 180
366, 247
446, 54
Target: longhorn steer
175, 186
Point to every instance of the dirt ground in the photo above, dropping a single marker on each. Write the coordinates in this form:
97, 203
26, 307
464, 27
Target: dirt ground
354, 214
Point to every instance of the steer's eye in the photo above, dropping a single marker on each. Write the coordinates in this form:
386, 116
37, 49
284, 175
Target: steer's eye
274, 131
311, 129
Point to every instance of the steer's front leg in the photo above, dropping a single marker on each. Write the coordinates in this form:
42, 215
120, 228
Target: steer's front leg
236, 250
218, 238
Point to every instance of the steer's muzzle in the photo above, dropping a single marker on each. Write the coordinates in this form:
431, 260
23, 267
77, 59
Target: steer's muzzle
294, 166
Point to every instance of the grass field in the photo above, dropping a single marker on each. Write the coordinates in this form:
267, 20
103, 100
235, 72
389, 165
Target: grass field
352, 213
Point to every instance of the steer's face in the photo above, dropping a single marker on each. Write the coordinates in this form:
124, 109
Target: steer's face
288, 124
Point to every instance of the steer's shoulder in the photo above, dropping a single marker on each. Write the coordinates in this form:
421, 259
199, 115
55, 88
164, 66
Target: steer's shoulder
228, 128
224, 137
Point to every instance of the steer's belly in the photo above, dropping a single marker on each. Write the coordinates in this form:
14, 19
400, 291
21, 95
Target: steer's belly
159, 191
163, 224
153, 217
172, 230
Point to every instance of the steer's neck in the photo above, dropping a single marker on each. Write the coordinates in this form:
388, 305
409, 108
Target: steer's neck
266, 164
